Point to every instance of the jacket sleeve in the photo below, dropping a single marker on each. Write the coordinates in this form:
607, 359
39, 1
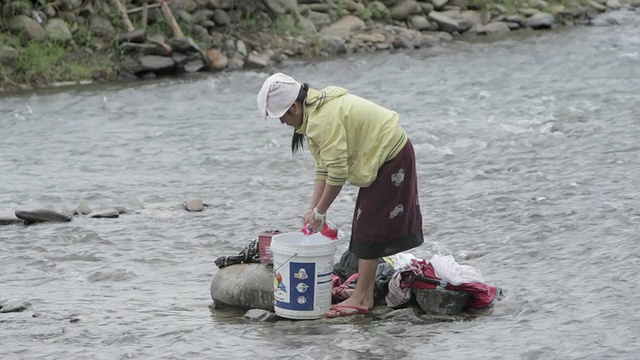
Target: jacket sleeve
330, 137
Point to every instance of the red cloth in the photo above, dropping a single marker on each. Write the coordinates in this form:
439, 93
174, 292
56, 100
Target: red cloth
421, 275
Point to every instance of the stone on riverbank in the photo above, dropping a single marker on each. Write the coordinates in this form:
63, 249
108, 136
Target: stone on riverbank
28, 26
541, 21
58, 30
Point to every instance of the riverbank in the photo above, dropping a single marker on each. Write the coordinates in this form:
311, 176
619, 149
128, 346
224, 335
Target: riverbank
48, 42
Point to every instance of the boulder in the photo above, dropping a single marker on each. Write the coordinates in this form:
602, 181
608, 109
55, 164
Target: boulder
217, 61
104, 214
101, 26
155, 63
282, 7
444, 22
420, 22
13, 305
41, 215
9, 217
603, 20
196, 204
320, 19
441, 302
28, 26
613, 4
58, 30
404, 9
493, 28
343, 27
541, 21
248, 286
439, 4
8, 55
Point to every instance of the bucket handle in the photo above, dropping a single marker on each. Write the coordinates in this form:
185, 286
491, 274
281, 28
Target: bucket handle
289, 259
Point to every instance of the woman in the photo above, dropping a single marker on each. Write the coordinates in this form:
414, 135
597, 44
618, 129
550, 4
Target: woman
353, 140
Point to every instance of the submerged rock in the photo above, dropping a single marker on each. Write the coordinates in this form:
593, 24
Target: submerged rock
41, 215
9, 217
261, 315
441, 302
194, 204
106, 213
13, 305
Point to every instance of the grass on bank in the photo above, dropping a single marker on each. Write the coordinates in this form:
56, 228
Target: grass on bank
44, 62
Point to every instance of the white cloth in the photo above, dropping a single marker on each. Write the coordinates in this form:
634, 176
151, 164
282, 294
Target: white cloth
277, 95
401, 260
447, 269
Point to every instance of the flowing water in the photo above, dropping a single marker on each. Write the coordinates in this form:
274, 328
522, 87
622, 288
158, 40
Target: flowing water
529, 168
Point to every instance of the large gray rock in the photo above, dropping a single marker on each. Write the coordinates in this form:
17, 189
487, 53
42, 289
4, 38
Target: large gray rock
334, 44
603, 20
597, 6
420, 23
404, 9
613, 4
13, 305
343, 27
101, 26
439, 4
16, 7
8, 56
493, 28
58, 30
320, 19
444, 22
443, 302
541, 21
41, 215
8, 217
28, 26
306, 25
221, 17
248, 286
104, 214
155, 63
282, 7
194, 204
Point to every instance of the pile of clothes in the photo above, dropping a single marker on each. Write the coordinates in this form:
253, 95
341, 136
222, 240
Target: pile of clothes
397, 276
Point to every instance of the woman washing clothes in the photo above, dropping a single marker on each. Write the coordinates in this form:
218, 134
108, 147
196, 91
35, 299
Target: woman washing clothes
353, 140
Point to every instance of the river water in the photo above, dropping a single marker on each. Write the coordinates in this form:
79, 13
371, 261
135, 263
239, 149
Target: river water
529, 168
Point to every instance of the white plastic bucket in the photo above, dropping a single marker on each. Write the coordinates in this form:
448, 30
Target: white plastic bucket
303, 274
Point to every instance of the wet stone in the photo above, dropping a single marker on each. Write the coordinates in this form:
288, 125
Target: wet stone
443, 302
13, 305
260, 315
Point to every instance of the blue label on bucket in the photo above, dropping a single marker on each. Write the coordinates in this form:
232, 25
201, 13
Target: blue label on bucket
302, 277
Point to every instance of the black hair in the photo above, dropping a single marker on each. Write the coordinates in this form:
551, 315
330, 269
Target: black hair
297, 142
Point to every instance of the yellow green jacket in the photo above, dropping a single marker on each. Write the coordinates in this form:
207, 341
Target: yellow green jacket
349, 137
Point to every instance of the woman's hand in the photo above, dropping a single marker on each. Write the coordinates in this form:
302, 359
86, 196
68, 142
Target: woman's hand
314, 219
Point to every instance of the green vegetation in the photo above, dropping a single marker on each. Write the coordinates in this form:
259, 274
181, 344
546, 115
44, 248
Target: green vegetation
44, 62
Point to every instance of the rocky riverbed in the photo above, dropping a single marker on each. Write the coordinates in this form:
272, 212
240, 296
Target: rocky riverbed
222, 35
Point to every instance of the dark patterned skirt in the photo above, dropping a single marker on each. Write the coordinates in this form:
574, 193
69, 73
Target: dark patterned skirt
387, 218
